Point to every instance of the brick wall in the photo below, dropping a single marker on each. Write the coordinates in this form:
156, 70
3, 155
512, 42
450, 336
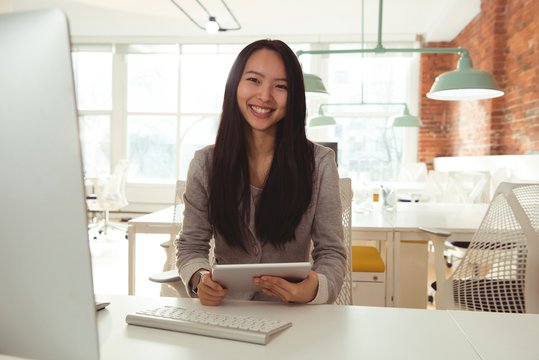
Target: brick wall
503, 40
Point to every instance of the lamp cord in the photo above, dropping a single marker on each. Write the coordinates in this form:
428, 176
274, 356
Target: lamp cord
207, 12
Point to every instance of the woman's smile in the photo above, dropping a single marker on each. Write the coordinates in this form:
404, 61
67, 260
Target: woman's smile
258, 110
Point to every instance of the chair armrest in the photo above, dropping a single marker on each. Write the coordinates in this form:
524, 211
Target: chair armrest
166, 244
166, 277
443, 291
436, 232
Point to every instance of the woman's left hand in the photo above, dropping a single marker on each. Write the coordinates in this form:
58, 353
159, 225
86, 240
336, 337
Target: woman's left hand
302, 292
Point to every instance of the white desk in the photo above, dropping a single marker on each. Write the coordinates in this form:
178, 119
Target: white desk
159, 222
500, 336
392, 228
317, 332
377, 226
462, 220
372, 226
403, 225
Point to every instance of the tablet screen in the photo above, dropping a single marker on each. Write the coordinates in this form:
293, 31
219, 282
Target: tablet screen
239, 277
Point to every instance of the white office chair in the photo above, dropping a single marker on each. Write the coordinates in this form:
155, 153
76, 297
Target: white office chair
500, 269
109, 195
345, 191
171, 278
459, 187
412, 172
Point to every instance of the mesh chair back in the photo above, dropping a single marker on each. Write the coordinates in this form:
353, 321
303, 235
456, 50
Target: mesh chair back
177, 219
499, 271
178, 208
345, 186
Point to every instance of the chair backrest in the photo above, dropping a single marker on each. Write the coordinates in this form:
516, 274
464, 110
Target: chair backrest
412, 172
177, 220
459, 186
178, 206
500, 270
170, 248
345, 190
110, 192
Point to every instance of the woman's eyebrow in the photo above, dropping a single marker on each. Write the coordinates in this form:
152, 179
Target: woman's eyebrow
262, 75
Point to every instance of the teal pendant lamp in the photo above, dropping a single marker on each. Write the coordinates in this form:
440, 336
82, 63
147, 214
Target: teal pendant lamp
322, 120
406, 119
314, 84
464, 83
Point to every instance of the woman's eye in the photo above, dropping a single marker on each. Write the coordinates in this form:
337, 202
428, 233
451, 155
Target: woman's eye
282, 86
252, 79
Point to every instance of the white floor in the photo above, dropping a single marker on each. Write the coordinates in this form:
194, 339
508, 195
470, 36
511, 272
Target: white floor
109, 262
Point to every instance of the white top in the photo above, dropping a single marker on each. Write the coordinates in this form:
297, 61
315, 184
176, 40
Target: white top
325, 332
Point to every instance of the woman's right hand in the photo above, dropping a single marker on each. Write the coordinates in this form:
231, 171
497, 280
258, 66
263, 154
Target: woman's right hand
210, 292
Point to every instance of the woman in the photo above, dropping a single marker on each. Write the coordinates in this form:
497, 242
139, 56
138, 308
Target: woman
263, 191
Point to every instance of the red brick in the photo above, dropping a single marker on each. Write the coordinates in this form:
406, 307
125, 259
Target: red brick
504, 40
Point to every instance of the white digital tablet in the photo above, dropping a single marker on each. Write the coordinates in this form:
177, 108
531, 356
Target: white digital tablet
239, 277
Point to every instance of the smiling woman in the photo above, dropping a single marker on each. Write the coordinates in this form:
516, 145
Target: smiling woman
257, 190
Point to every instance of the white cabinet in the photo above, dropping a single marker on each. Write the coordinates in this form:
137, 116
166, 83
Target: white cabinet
368, 288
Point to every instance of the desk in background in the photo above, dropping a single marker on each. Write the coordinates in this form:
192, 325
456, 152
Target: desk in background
403, 225
159, 222
462, 220
391, 228
325, 332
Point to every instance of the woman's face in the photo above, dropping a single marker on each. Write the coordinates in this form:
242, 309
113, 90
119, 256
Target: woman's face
262, 91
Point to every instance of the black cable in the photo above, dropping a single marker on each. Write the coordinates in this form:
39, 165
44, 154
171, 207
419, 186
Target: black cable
209, 15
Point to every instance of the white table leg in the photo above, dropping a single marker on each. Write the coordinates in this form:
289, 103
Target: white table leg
131, 259
390, 269
396, 268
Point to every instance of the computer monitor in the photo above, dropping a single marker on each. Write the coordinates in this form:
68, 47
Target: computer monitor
47, 306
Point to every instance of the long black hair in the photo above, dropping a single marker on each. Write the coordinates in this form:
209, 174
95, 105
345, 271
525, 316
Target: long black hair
288, 188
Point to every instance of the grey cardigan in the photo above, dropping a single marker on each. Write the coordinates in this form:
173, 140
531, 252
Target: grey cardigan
321, 223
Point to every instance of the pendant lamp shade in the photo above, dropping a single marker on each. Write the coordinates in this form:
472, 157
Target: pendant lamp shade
464, 83
322, 120
314, 84
406, 119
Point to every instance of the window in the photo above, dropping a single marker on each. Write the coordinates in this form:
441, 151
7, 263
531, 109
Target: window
204, 70
152, 105
366, 91
157, 104
93, 84
151, 148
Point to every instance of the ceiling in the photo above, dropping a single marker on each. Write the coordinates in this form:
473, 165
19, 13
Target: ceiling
304, 20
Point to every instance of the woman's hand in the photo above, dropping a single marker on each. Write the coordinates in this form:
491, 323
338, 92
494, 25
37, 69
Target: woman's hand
302, 292
210, 292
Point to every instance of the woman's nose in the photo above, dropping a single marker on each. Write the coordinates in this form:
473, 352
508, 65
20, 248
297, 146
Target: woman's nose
264, 92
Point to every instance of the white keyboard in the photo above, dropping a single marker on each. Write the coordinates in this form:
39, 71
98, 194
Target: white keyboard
201, 322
